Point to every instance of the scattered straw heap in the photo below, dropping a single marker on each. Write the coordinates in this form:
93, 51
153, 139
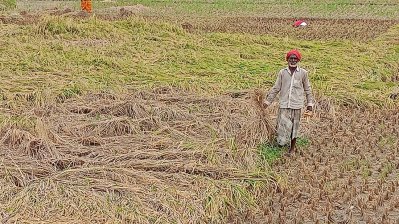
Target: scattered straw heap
157, 156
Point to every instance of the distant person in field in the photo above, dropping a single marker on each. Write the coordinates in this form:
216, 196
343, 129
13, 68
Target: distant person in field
85, 5
293, 85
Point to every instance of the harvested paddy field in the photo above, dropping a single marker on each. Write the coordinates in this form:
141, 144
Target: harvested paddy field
149, 112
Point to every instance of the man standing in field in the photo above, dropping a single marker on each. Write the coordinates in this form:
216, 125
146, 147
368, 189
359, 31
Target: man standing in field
293, 85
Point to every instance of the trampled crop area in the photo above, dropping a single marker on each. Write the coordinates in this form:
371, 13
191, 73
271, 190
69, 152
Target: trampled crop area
148, 112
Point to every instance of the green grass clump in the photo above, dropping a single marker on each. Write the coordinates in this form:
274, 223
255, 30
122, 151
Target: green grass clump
302, 142
271, 152
7, 4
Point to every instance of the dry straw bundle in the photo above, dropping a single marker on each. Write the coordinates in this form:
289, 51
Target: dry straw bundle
260, 128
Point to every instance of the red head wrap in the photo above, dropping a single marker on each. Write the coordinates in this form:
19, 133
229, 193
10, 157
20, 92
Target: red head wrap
295, 52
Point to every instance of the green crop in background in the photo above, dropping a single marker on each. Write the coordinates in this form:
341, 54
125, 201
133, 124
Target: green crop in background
7, 4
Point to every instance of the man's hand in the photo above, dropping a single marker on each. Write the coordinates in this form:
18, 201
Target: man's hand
309, 112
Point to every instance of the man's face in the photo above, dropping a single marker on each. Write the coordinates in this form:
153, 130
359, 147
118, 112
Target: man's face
293, 60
